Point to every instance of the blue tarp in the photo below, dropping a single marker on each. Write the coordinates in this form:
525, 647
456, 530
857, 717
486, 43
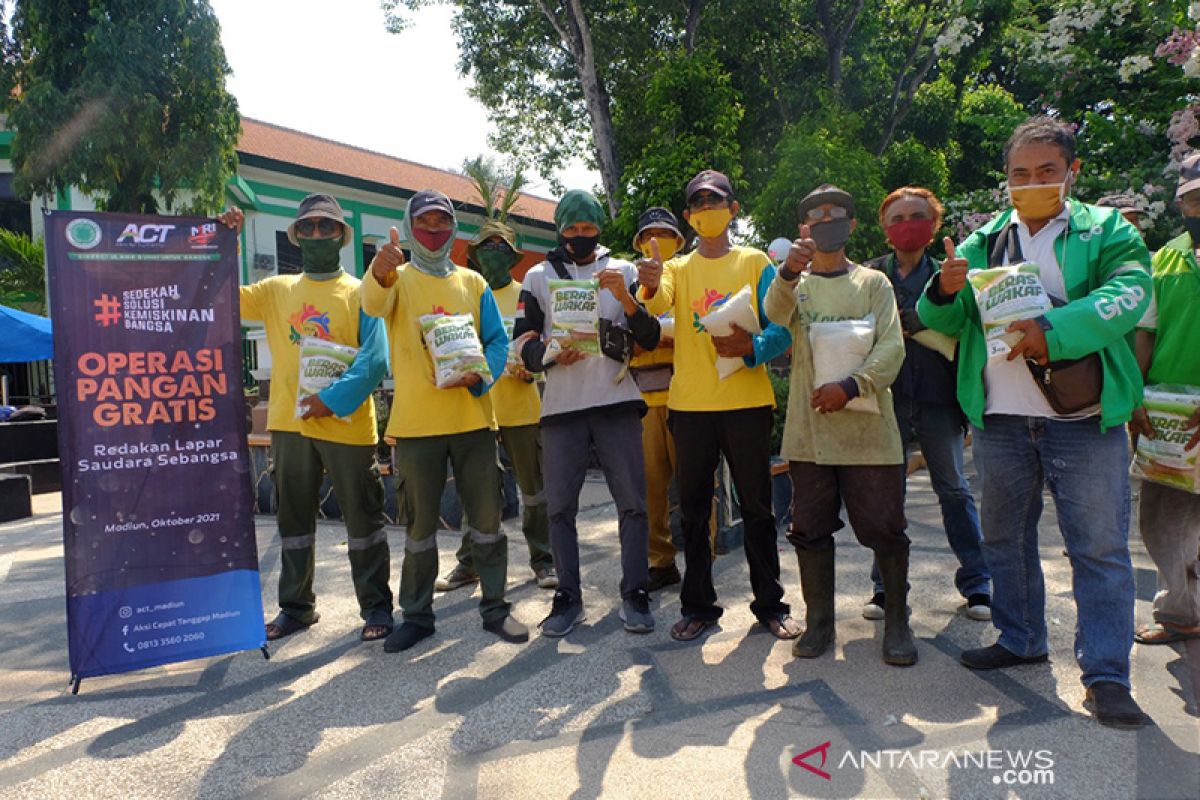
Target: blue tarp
24, 336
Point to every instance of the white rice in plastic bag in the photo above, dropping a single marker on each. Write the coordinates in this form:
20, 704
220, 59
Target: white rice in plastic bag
454, 348
838, 349
739, 310
322, 363
574, 316
1005, 295
667, 323
1163, 459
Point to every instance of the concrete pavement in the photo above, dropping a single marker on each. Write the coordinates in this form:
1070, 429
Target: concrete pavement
602, 713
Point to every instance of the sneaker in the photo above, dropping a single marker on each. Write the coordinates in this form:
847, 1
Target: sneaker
565, 613
979, 606
461, 575
874, 607
635, 612
546, 578
662, 577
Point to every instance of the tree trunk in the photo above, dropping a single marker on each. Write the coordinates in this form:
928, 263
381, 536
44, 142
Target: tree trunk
836, 35
691, 24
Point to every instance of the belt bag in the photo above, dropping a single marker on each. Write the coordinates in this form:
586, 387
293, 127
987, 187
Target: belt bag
1071, 384
654, 378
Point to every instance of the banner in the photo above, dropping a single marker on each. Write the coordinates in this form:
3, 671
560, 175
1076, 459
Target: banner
158, 522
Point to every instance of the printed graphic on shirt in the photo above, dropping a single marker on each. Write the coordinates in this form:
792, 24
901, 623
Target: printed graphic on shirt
309, 321
710, 300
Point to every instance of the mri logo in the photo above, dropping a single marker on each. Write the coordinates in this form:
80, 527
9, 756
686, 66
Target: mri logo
83, 233
309, 321
710, 300
203, 235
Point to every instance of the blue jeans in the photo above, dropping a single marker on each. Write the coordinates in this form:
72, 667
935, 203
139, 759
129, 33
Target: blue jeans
1088, 476
938, 430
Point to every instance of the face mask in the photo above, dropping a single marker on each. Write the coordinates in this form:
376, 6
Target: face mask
432, 240
580, 247
495, 264
320, 255
667, 247
1037, 202
1192, 225
910, 235
711, 222
831, 236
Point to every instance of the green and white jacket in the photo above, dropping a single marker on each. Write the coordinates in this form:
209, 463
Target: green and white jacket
1106, 269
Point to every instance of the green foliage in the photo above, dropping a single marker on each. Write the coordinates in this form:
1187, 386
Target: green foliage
910, 163
987, 115
22, 272
498, 192
125, 99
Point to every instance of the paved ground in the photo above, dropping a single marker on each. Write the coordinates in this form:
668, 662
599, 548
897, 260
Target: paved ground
601, 714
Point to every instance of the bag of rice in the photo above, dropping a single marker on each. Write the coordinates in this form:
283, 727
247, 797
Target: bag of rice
667, 323
514, 358
1163, 458
574, 316
838, 349
1005, 295
937, 341
454, 347
322, 363
737, 309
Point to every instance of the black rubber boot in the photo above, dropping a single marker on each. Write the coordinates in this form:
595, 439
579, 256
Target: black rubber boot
816, 584
899, 649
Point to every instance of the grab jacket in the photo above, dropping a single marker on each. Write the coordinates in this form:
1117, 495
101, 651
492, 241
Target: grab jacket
1106, 270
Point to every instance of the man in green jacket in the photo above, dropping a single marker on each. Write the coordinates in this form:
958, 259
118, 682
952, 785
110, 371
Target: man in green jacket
1095, 268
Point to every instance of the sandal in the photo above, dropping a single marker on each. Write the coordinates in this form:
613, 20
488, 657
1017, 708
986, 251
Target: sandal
378, 625
1165, 633
285, 625
782, 626
689, 628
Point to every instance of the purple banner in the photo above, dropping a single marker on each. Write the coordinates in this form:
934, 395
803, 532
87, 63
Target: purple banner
158, 522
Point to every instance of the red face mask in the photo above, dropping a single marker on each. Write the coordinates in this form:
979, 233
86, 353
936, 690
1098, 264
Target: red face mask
432, 240
910, 235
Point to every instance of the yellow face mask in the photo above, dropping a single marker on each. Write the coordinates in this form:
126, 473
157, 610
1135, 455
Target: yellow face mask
667, 246
711, 222
1040, 201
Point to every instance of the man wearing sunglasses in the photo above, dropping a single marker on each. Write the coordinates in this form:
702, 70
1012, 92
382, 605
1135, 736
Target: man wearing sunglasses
712, 417
330, 432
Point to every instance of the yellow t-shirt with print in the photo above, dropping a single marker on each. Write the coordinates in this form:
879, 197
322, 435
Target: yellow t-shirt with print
292, 307
513, 401
419, 407
692, 286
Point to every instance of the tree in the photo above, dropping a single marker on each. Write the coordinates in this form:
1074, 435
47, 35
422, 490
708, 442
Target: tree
22, 272
498, 192
125, 99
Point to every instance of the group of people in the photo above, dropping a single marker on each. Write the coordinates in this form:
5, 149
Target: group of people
654, 410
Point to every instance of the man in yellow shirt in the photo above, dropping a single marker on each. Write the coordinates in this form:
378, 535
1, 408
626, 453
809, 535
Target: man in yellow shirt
434, 425
517, 406
331, 432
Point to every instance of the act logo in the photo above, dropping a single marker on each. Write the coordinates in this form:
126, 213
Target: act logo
309, 321
801, 760
83, 233
203, 235
711, 299
144, 234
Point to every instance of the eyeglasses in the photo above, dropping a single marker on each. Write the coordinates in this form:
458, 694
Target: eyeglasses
818, 214
322, 225
706, 200
500, 246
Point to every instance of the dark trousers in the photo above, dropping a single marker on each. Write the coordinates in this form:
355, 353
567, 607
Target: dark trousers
874, 500
743, 437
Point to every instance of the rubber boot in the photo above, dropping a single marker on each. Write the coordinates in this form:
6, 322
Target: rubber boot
899, 649
816, 584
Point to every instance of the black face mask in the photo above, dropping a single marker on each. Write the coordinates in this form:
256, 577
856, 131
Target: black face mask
1192, 225
831, 236
580, 247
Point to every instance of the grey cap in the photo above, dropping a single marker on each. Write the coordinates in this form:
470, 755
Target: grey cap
1189, 175
1123, 202
429, 200
320, 206
826, 193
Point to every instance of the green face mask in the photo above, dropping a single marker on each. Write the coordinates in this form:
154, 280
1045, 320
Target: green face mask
320, 256
495, 265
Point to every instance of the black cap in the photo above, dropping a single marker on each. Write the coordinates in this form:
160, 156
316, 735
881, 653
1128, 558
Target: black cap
429, 200
711, 180
320, 206
657, 217
826, 193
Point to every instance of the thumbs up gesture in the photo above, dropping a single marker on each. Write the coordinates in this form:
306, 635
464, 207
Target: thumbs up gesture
388, 258
802, 252
953, 276
650, 269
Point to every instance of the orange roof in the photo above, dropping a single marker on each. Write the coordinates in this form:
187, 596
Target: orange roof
277, 143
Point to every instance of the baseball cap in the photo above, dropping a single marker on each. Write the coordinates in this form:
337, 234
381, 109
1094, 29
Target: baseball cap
429, 200
711, 180
826, 193
657, 217
1189, 175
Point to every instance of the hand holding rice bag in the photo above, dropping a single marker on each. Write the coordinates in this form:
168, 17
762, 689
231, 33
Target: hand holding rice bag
514, 358
667, 323
1163, 459
574, 316
322, 363
737, 309
454, 347
840, 348
1005, 295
